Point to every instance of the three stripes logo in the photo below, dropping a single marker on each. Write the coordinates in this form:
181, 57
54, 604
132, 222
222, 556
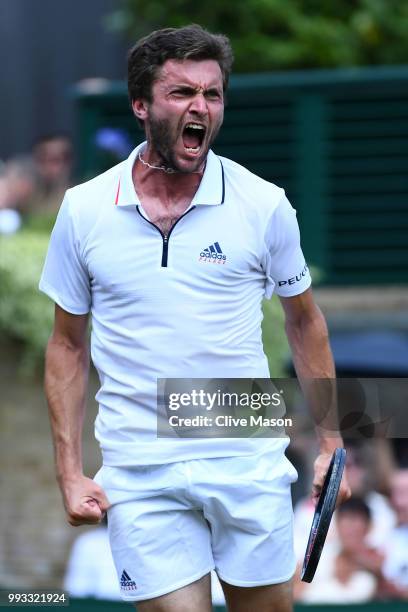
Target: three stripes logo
213, 254
126, 583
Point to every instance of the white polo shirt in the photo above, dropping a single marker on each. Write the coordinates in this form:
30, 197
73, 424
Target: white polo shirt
187, 305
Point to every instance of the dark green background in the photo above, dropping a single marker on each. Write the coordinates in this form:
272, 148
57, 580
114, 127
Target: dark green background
336, 140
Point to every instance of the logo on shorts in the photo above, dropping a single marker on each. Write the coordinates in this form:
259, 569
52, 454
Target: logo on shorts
126, 583
213, 254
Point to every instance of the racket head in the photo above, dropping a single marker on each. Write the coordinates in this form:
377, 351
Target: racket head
323, 514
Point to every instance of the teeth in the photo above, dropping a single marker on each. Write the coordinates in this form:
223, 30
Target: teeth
191, 150
195, 126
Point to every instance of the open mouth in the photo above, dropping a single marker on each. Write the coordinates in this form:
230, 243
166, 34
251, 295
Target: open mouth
193, 136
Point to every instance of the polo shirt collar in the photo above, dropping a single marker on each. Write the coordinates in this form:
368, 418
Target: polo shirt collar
211, 190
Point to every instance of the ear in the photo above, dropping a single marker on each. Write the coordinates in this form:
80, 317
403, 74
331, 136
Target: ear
140, 109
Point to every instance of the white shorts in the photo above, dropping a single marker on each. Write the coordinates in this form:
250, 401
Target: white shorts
170, 525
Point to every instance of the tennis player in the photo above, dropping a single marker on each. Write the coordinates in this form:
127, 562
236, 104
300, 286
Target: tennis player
172, 252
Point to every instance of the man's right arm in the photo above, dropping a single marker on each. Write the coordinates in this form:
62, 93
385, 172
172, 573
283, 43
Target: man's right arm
66, 381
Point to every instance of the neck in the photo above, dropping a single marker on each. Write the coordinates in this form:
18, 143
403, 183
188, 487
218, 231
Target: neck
153, 178
167, 170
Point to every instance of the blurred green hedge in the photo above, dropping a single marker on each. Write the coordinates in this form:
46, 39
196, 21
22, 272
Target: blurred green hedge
26, 314
274, 338
278, 35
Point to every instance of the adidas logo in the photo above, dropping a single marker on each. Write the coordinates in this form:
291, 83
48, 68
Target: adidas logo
126, 583
213, 254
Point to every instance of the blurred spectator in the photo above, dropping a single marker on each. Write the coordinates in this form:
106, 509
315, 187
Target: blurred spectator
349, 570
361, 476
395, 566
53, 159
10, 221
91, 571
17, 185
360, 471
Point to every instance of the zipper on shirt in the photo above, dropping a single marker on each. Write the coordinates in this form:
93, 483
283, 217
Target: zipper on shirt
165, 237
165, 250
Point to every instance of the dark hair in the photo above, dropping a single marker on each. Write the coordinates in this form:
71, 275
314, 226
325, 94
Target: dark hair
50, 137
189, 42
355, 505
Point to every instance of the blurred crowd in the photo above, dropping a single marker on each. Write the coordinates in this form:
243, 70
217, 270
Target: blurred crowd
34, 184
365, 556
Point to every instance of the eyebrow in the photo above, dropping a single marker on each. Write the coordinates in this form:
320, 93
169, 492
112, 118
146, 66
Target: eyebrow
191, 88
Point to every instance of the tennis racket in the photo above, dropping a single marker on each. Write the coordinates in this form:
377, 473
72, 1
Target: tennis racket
323, 514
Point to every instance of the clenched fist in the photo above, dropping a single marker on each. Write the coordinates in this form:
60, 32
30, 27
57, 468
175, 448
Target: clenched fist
84, 500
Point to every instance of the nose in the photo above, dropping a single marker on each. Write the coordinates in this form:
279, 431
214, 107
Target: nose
199, 104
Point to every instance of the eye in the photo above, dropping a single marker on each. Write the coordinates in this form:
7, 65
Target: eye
182, 92
213, 95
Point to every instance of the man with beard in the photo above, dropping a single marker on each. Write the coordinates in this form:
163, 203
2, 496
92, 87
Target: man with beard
172, 252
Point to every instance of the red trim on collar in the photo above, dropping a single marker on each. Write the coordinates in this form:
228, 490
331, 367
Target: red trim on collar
117, 194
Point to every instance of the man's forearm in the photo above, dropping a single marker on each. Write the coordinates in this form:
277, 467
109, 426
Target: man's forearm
309, 340
66, 379
314, 365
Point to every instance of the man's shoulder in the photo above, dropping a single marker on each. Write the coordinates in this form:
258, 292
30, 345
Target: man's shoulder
96, 189
251, 185
91, 201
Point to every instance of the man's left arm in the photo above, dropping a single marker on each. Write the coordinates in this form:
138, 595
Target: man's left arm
308, 337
